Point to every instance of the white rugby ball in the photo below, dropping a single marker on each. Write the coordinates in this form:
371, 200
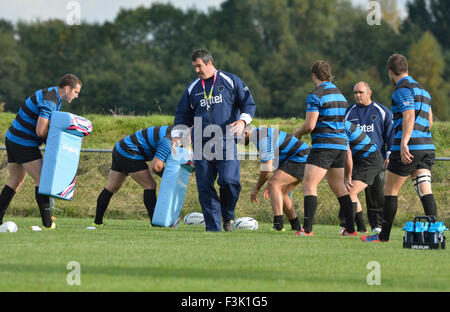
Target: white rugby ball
194, 218
246, 223
8, 226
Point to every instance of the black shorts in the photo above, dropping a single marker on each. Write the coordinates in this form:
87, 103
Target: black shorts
294, 169
366, 169
21, 154
421, 160
126, 165
326, 158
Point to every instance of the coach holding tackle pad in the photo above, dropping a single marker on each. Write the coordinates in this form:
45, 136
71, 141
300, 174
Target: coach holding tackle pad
219, 106
27, 132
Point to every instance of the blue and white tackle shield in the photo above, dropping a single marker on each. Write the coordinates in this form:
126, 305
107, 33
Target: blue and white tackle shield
172, 190
62, 154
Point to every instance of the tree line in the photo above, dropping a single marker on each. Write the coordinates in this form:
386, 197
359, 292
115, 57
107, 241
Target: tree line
140, 63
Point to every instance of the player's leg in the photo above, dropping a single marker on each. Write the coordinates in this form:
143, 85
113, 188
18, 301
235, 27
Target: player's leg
393, 184
288, 207
115, 182
279, 187
421, 179
312, 177
358, 186
374, 194
205, 175
16, 179
34, 168
335, 179
145, 179
229, 189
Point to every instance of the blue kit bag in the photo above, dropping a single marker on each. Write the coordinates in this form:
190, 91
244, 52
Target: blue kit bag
172, 190
62, 154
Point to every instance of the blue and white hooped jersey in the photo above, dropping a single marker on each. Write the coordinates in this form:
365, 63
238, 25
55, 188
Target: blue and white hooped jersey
231, 100
410, 95
272, 143
146, 144
360, 143
41, 104
329, 131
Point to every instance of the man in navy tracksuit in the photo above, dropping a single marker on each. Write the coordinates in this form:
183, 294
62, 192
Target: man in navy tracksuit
218, 105
376, 121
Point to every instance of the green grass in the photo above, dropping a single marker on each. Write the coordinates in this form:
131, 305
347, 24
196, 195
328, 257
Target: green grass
128, 255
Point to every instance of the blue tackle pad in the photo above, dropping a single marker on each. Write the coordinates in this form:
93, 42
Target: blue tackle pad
172, 190
62, 154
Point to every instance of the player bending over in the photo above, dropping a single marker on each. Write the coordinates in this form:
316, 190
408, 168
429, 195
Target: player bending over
129, 157
283, 151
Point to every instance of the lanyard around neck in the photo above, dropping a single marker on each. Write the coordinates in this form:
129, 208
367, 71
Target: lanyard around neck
212, 87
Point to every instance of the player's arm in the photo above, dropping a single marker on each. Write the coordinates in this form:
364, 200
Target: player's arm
42, 127
388, 136
407, 129
184, 116
246, 106
46, 108
312, 114
264, 175
308, 126
163, 150
430, 118
158, 166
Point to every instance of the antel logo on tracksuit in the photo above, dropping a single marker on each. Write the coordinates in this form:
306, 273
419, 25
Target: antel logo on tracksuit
213, 100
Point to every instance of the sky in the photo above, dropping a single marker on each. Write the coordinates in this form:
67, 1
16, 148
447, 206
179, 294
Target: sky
99, 11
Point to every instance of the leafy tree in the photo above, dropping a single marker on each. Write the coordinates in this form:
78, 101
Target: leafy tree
12, 73
426, 65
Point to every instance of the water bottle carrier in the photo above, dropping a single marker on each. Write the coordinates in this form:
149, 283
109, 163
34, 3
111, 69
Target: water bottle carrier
428, 235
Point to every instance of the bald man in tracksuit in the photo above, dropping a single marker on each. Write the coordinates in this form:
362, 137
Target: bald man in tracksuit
218, 105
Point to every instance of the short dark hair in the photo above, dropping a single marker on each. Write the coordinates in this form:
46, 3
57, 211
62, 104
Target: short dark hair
69, 80
398, 64
322, 70
202, 54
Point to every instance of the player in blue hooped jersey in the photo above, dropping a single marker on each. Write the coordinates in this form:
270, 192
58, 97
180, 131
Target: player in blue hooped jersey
23, 138
129, 157
363, 163
325, 112
287, 155
413, 148
218, 105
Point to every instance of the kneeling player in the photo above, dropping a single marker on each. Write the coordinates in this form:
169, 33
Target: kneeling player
362, 163
288, 155
129, 157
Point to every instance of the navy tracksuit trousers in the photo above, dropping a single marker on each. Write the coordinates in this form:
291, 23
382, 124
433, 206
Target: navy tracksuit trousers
214, 207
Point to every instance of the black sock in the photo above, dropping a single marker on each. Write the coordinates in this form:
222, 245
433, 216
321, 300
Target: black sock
295, 224
310, 207
359, 220
278, 222
150, 202
5, 198
345, 202
102, 203
429, 205
341, 217
390, 209
43, 202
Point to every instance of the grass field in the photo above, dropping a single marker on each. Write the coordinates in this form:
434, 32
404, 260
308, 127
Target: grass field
129, 255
